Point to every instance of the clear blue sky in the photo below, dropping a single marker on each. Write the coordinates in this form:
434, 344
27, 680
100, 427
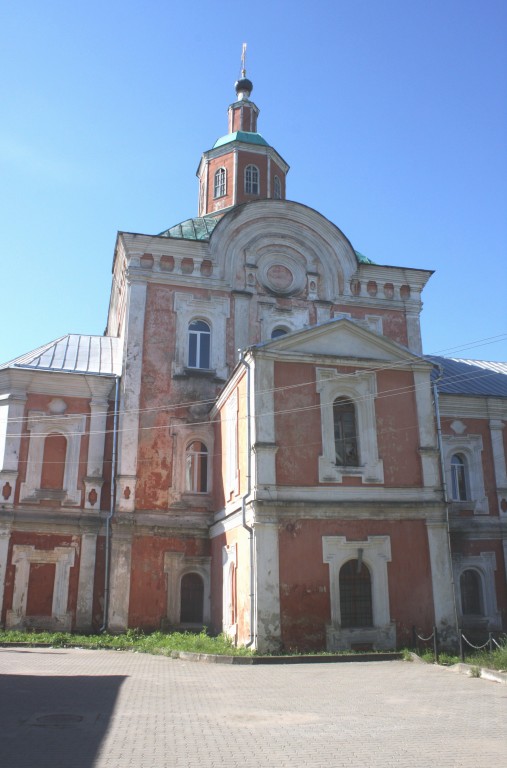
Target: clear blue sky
392, 115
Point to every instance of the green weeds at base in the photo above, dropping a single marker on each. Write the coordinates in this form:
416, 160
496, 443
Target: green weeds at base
495, 660
133, 640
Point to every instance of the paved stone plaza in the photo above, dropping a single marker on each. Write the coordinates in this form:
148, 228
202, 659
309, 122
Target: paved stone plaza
77, 709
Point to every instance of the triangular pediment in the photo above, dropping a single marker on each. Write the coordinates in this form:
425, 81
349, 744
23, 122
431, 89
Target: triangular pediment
342, 338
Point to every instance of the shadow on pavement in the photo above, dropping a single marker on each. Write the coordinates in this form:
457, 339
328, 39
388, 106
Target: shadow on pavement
54, 722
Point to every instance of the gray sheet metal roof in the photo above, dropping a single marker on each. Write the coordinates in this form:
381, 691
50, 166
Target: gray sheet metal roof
471, 377
74, 353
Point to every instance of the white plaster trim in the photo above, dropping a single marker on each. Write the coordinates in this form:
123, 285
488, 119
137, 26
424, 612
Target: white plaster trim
84, 610
485, 566
184, 434
40, 426
376, 553
229, 565
214, 311
471, 447
361, 389
176, 565
22, 557
5, 535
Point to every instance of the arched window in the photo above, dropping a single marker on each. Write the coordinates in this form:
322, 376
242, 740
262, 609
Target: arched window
192, 599
251, 180
53, 462
196, 470
277, 332
459, 477
345, 433
471, 593
277, 188
220, 183
355, 595
199, 344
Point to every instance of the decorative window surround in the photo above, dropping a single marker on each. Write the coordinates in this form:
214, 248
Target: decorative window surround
374, 323
361, 389
213, 311
485, 566
22, 557
176, 565
375, 553
496, 427
471, 448
229, 565
184, 435
40, 426
271, 317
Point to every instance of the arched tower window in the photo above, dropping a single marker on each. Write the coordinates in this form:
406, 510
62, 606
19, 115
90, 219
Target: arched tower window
196, 469
355, 595
345, 433
459, 477
277, 332
192, 599
199, 344
277, 188
251, 180
220, 180
471, 593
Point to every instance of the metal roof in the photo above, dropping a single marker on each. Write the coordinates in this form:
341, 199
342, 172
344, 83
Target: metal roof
246, 137
362, 259
199, 228
471, 377
74, 353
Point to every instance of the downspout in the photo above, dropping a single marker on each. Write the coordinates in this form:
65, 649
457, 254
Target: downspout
444, 491
244, 498
110, 514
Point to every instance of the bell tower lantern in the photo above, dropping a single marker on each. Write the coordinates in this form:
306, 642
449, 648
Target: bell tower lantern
241, 166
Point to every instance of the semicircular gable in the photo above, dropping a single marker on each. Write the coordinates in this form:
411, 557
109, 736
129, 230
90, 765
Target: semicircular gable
285, 248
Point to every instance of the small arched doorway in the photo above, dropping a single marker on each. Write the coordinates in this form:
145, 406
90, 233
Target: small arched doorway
192, 599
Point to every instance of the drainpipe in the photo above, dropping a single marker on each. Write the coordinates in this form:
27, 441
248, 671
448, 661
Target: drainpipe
444, 490
110, 514
244, 498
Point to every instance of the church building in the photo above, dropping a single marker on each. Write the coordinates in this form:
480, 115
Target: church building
257, 444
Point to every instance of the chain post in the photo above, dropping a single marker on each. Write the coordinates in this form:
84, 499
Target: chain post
461, 646
435, 644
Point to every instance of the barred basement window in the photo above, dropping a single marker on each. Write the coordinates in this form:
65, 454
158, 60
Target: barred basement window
220, 182
355, 595
345, 434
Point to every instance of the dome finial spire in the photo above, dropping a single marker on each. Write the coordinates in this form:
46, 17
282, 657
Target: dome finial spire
243, 86
243, 61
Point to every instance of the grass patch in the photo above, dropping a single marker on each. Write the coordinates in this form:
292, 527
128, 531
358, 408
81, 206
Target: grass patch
495, 660
133, 640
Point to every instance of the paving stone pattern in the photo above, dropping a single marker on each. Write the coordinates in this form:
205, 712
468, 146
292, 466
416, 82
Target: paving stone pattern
103, 709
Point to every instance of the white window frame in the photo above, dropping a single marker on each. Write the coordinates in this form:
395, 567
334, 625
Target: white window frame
252, 180
277, 188
470, 446
192, 482
361, 389
199, 335
220, 183
184, 435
